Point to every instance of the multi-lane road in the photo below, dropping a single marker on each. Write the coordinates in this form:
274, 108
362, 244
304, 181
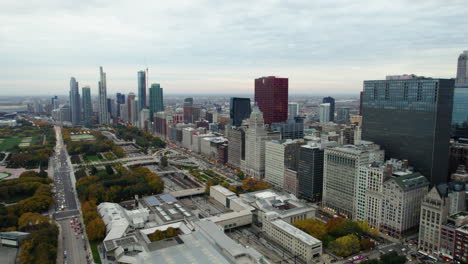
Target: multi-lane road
67, 213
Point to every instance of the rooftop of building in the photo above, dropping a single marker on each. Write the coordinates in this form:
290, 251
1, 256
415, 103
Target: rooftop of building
165, 207
286, 141
118, 220
296, 232
411, 181
224, 191
271, 201
215, 140
206, 244
363, 146
459, 215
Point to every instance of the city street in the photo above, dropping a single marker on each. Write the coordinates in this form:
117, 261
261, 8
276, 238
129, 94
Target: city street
72, 240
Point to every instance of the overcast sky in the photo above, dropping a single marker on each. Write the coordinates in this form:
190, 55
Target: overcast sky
192, 46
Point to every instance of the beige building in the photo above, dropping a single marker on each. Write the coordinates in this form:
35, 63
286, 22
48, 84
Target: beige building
340, 172
369, 195
401, 205
280, 155
255, 138
297, 242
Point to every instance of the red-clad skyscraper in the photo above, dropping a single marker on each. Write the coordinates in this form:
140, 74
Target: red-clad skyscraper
271, 96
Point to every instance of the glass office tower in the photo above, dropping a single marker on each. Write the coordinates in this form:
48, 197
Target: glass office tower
460, 99
410, 119
239, 110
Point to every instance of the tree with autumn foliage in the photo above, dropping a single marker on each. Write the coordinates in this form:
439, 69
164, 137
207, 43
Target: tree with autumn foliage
96, 229
313, 227
252, 185
345, 245
161, 235
28, 221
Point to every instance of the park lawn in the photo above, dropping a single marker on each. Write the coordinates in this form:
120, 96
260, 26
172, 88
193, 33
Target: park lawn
91, 158
94, 249
36, 140
9, 143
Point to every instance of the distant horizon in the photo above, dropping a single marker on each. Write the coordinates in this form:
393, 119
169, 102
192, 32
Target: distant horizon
330, 45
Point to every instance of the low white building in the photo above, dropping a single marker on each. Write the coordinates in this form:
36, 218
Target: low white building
196, 141
118, 220
296, 241
221, 194
286, 206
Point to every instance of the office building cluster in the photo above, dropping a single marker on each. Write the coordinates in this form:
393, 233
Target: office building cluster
399, 164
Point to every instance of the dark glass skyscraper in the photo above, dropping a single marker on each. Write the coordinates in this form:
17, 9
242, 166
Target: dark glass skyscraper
75, 104
331, 101
141, 90
188, 110
239, 110
460, 99
271, 96
410, 119
120, 99
156, 103
87, 106
310, 172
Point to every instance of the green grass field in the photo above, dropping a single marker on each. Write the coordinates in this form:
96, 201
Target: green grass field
95, 251
9, 143
91, 158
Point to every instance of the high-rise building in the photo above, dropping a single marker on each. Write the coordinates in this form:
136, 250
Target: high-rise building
103, 113
239, 110
236, 149
188, 110
160, 123
462, 70
310, 172
434, 213
124, 112
401, 206
65, 114
369, 188
460, 99
360, 102
141, 90
280, 155
290, 129
196, 113
293, 110
271, 96
144, 119
120, 100
453, 236
55, 102
131, 111
340, 172
324, 112
331, 101
75, 104
134, 114
156, 103
410, 119
87, 106
342, 115
255, 137
111, 107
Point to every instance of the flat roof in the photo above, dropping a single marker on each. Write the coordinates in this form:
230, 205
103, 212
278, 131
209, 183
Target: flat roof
296, 232
223, 190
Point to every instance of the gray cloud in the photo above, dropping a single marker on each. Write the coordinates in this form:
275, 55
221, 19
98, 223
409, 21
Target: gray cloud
220, 45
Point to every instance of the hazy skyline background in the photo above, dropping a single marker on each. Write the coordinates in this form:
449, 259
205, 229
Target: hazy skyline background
322, 46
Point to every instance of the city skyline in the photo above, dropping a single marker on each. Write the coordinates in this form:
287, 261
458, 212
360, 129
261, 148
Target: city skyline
329, 45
